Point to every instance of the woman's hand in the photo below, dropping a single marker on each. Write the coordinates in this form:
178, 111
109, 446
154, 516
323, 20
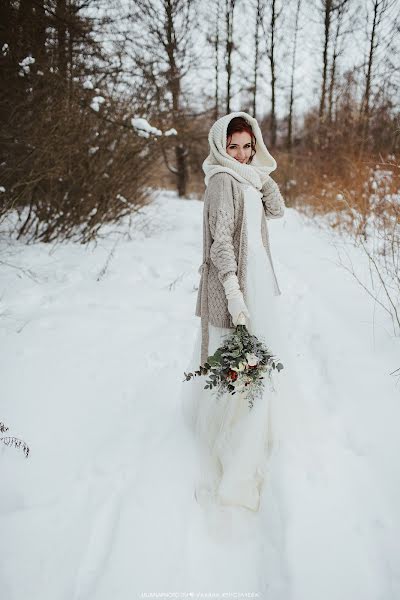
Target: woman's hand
242, 319
273, 202
236, 305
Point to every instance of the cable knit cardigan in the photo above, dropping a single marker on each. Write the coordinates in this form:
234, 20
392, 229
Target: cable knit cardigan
225, 247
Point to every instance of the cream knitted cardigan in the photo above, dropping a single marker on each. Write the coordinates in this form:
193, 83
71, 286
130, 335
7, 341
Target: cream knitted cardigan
225, 246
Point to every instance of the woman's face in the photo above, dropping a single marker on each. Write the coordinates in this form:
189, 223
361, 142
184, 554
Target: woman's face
239, 146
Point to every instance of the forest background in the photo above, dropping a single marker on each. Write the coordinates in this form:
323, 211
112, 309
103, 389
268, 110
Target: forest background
103, 102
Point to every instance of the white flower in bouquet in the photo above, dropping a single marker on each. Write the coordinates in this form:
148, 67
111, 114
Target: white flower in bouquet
241, 367
252, 359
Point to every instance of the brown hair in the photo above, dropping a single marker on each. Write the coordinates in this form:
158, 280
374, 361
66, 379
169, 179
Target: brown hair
237, 125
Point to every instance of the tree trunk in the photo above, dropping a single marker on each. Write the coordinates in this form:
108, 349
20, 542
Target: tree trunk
335, 54
327, 26
40, 34
289, 141
229, 11
61, 39
256, 55
216, 63
273, 76
365, 107
175, 88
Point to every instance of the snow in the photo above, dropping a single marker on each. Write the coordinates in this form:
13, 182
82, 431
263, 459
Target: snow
143, 127
95, 342
97, 101
28, 60
25, 65
87, 84
171, 131
122, 199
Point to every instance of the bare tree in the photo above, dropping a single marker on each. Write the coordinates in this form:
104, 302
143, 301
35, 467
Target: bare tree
292, 76
214, 40
61, 37
229, 15
337, 49
378, 19
271, 37
69, 162
165, 43
259, 21
378, 7
216, 55
327, 8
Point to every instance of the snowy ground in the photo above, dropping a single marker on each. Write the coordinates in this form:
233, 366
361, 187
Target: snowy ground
94, 342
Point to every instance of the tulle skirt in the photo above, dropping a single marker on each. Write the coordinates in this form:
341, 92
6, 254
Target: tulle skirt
234, 442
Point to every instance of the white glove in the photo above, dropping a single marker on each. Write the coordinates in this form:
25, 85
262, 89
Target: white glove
236, 304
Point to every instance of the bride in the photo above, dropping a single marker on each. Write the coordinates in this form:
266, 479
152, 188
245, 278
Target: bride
238, 285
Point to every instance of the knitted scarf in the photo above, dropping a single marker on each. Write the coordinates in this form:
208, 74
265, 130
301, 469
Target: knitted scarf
255, 173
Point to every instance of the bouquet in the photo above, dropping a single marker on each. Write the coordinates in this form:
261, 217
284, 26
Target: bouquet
239, 365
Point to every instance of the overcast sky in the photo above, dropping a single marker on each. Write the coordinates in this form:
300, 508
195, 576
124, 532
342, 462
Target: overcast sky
200, 81
309, 51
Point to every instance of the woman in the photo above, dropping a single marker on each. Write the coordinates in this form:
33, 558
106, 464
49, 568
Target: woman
238, 285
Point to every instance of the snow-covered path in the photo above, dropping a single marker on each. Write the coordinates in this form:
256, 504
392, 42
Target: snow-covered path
94, 342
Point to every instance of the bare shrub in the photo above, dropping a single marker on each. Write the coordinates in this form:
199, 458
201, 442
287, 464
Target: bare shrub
73, 169
13, 441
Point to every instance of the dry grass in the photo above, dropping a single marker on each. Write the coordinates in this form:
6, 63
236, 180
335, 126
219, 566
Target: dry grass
341, 187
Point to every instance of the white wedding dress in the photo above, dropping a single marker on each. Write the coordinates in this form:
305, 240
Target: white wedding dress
234, 443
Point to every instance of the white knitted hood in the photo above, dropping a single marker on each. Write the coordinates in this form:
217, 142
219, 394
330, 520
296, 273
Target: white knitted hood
219, 160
